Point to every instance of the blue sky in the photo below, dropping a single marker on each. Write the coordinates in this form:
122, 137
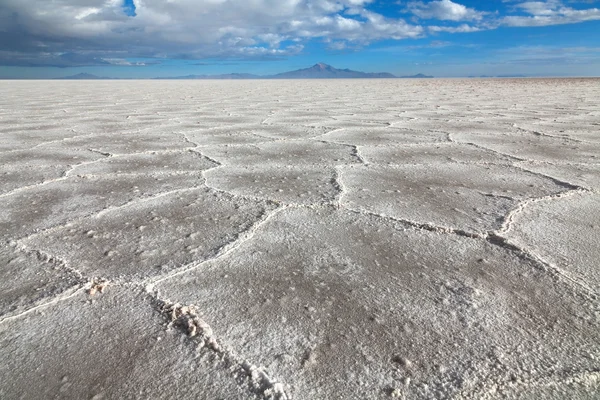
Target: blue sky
154, 38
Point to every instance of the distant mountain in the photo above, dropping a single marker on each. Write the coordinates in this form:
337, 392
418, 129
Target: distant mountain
82, 76
498, 76
235, 76
324, 71
220, 76
417, 76
317, 71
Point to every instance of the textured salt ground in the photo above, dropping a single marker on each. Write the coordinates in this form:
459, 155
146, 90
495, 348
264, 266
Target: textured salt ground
252, 133
110, 345
470, 197
296, 171
150, 162
30, 167
299, 185
27, 281
428, 153
212, 120
436, 240
150, 237
296, 153
565, 233
376, 305
362, 136
27, 135
127, 143
584, 175
57, 202
584, 129
530, 147
230, 135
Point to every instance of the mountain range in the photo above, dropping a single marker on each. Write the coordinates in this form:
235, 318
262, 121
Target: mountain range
498, 76
82, 76
317, 71
324, 71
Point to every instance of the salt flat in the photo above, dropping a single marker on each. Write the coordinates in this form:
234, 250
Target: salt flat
325, 239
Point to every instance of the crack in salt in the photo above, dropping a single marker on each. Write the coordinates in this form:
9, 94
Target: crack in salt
539, 262
538, 133
510, 216
356, 153
65, 295
213, 160
184, 318
51, 259
420, 225
187, 320
104, 153
53, 141
557, 181
495, 239
103, 212
514, 158
28, 187
337, 183
187, 139
80, 282
225, 249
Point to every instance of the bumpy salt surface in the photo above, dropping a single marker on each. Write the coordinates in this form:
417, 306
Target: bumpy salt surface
300, 239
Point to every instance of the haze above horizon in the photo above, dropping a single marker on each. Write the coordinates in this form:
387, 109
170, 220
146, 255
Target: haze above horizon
152, 38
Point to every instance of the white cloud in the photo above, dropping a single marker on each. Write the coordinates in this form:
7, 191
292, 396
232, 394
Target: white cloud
339, 45
551, 12
359, 2
34, 32
262, 51
540, 7
271, 38
464, 28
120, 61
444, 10
347, 24
192, 28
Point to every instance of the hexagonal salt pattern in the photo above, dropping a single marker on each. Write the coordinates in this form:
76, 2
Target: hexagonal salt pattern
339, 239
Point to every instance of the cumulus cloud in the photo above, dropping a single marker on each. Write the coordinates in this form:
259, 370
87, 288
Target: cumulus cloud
464, 28
551, 12
254, 29
540, 7
444, 10
66, 33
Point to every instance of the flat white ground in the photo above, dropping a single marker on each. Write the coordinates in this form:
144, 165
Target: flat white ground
355, 239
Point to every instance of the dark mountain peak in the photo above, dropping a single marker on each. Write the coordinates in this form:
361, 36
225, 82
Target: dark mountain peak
82, 75
324, 71
322, 67
418, 76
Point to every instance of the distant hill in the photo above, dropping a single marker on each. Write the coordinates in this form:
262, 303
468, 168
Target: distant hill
220, 76
82, 76
498, 76
324, 71
417, 76
317, 71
